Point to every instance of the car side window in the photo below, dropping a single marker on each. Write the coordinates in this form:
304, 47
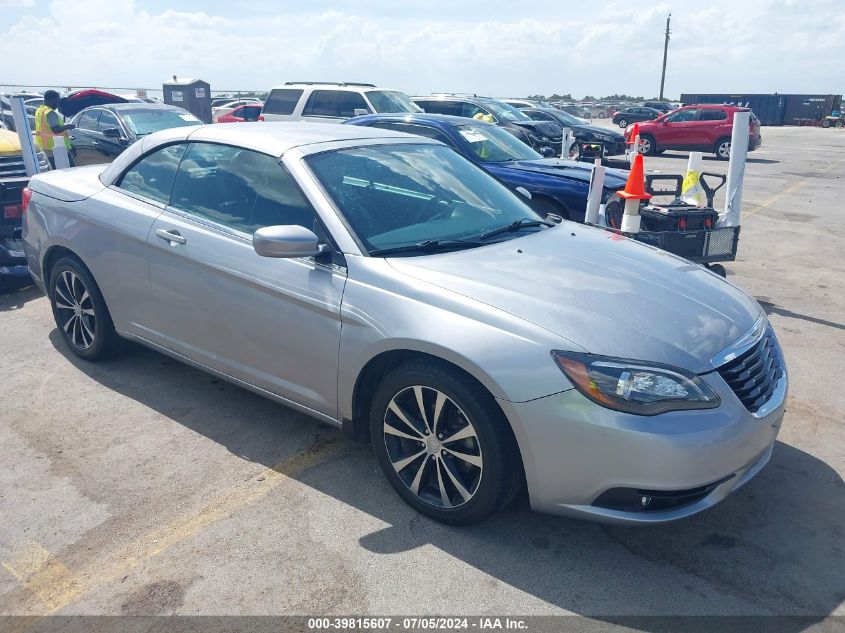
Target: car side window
282, 101
238, 188
152, 176
682, 116
537, 115
250, 113
107, 120
349, 102
713, 115
469, 110
88, 120
436, 106
412, 128
322, 103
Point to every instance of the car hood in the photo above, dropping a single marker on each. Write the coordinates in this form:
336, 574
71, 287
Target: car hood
601, 291
613, 178
546, 128
77, 101
597, 129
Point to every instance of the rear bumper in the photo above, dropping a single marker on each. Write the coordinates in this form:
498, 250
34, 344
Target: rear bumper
586, 461
754, 143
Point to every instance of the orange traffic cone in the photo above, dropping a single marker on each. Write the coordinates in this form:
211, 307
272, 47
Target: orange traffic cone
635, 132
632, 194
635, 187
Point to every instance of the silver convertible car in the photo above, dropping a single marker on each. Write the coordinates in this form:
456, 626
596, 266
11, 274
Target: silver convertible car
383, 283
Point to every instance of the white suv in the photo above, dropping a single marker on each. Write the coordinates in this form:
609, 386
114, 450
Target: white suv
332, 102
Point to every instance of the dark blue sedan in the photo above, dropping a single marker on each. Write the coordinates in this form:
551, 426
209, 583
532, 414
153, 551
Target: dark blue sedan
556, 186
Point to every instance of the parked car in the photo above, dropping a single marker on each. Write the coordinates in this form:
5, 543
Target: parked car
612, 142
330, 102
623, 118
6, 112
522, 104
546, 138
13, 271
661, 106
242, 114
228, 106
382, 283
556, 186
103, 132
704, 128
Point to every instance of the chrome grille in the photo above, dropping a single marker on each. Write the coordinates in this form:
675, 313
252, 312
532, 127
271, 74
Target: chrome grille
754, 375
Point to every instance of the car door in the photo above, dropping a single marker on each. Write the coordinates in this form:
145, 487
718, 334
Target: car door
322, 106
127, 209
677, 130
82, 137
110, 139
272, 323
712, 125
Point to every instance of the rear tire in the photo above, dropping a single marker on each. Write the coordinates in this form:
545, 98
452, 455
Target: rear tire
416, 409
80, 311
623, 123
723, 149
825, 123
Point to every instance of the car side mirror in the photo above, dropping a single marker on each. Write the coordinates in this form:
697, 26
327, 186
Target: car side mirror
524, 192
286, 241
547, 152
112, 132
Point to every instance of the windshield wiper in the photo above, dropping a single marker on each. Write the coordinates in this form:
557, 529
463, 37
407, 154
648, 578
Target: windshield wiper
427, 246
513, 227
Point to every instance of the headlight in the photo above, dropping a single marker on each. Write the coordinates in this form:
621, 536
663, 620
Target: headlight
633, 386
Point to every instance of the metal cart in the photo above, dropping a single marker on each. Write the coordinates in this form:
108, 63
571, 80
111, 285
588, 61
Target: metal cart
705, 246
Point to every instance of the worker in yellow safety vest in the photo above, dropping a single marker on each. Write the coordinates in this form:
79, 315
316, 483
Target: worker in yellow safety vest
49, 124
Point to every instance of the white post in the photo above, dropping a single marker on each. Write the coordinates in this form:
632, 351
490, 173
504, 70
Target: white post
28, 148
631, 217
594, 194
691, 190
60, 156
568, 138
736, 169
635, 148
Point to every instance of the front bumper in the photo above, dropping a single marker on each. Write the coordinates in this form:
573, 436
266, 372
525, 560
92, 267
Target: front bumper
575, 451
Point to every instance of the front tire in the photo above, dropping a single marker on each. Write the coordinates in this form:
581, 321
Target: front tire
648, 145
443, 443
80, 312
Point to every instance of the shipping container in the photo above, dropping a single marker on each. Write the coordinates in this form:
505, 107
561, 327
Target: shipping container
775, 109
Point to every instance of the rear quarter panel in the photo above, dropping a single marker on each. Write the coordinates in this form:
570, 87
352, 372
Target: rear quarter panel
107, 232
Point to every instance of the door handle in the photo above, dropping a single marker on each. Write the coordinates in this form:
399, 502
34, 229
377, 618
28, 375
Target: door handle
171, 236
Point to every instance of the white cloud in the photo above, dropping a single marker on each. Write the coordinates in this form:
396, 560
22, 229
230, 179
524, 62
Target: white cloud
760, 45
14, 4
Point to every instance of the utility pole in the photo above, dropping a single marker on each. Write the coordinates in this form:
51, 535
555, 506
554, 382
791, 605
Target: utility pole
665, 51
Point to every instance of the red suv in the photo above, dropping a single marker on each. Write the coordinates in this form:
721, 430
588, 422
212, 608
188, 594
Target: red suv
703, 128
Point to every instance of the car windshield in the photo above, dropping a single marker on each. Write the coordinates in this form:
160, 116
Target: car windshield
391, 101
141, 122
492, 144
395, 196
566, 118
504, 111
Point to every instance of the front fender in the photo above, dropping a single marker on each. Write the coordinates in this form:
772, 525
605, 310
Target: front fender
384, 311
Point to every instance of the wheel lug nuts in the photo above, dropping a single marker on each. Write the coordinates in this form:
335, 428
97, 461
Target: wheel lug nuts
440, 436
434, 457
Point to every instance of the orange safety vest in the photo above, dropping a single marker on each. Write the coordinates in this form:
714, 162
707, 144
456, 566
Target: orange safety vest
43, 134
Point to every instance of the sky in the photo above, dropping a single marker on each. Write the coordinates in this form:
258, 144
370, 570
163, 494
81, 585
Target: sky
493, 47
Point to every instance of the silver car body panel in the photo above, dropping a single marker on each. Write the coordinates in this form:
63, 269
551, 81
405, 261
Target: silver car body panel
301, 332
